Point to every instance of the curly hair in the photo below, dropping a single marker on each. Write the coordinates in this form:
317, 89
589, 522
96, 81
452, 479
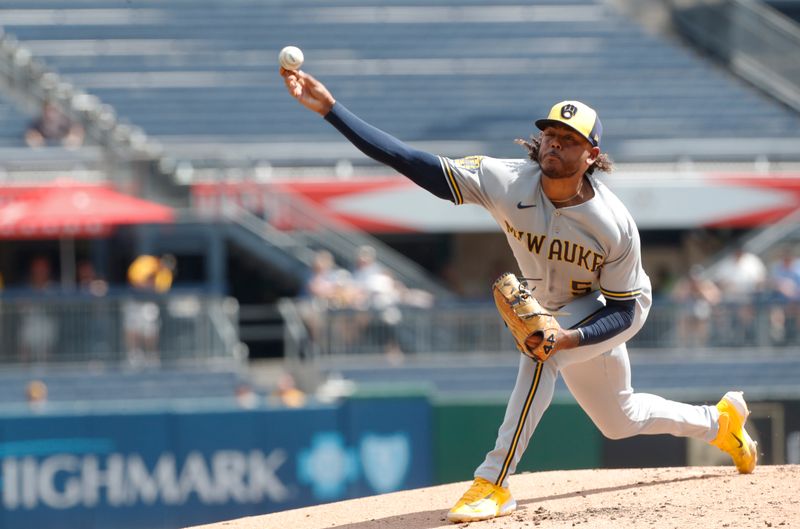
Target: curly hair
603, 162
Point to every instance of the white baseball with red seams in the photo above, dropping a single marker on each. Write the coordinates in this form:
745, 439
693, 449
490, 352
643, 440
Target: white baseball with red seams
291, 57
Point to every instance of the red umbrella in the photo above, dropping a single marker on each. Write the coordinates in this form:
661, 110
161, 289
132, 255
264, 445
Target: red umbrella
76, 211
72, 211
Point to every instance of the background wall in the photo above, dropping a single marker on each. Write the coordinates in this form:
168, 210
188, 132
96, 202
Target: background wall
180, 465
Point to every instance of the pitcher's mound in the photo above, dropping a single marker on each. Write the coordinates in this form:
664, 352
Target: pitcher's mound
693, 498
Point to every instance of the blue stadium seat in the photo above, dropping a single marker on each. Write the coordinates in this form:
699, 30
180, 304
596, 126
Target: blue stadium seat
191, 69
13, 124
66, 385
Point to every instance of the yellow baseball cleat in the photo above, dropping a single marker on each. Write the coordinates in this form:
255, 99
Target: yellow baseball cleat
483, 500
732, 437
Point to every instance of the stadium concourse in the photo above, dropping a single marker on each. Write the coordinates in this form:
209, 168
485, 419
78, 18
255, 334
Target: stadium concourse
183, 371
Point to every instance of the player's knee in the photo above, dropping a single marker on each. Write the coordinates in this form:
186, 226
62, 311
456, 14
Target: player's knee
615, 433
618, 427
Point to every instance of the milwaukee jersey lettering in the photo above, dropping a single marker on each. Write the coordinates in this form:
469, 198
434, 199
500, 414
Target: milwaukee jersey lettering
570, 251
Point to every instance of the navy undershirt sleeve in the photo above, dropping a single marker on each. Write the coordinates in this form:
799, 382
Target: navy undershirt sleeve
609, 321
420, 167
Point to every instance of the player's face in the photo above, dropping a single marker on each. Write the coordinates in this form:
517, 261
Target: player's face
564, 153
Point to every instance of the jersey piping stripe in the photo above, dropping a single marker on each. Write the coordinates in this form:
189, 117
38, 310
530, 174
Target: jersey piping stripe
520, 423
620, 295
448, 171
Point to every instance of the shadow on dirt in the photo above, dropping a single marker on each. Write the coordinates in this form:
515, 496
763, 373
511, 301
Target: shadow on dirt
437, 518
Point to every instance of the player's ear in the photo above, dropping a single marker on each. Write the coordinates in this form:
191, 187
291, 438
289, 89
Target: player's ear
594, 153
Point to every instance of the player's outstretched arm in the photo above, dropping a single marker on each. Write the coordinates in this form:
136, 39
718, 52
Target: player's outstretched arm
421, 167
311, 93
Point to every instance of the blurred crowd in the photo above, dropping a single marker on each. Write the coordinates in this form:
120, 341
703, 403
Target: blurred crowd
369, 296
54, 128
741, 301
38, 326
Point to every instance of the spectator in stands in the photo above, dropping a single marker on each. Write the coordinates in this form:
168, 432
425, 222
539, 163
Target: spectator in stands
367, 267
784, 295
149, 276
38, 331
40, 274
152, 273
328, 287
96, 320
36, 395
88, 280
741, 275
328, 284
365, 304
379, 298
696, 297
246, 397
53, 127
741, 278
286, 392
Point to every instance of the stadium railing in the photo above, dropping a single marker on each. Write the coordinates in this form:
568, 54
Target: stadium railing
120, 329
476, 328
773, 239
292, 223
757, 41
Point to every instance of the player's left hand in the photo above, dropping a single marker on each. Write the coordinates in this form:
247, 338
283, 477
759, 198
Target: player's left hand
528, 321
564, 339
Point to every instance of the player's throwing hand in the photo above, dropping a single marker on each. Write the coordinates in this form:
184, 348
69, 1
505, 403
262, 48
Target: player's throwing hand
308, 91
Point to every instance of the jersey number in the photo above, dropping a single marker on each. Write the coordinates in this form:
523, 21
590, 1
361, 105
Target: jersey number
580, 288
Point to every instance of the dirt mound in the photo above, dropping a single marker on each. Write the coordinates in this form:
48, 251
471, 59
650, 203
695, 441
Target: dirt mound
699, 497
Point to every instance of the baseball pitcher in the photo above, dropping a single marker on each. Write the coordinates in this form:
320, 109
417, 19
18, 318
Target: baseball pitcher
588, 293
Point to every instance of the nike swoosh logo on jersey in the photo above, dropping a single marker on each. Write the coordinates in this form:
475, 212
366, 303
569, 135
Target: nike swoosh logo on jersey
520, 205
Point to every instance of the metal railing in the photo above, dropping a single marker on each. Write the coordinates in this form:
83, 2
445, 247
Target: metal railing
127, 330
757, 41
293, 224
765, 241
478, 329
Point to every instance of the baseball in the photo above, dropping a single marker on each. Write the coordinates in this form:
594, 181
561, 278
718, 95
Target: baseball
291, 57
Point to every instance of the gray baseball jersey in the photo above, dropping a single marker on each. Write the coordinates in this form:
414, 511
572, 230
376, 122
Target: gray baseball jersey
575, 253
572, 251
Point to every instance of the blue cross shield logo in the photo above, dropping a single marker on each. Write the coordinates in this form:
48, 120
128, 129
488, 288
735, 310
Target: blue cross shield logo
328, 466
385, 459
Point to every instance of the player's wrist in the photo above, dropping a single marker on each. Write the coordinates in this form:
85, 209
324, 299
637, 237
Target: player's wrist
572, 338
327, 107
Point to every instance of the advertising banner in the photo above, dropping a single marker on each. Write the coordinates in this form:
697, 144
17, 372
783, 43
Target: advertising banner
169, 469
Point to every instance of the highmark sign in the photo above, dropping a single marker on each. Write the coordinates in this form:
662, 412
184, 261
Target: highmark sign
66, 481
164, 470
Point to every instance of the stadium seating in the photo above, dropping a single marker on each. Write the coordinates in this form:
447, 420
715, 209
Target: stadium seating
72, 385
13, 123
190, 71
790, 8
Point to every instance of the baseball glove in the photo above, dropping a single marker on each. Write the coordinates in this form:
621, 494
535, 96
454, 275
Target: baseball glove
525, 317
